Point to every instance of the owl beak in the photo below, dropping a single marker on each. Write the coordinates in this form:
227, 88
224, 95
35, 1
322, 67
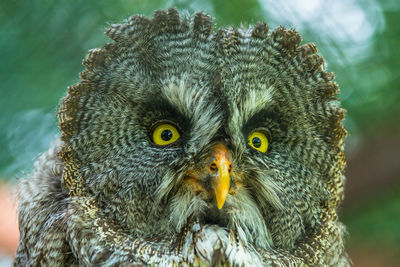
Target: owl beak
221, 166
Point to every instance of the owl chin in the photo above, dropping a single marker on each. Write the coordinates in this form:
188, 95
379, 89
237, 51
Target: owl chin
239, 219
213, 216
203, 212
210, 242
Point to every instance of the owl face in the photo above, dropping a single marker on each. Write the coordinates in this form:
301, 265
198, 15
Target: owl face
173, 125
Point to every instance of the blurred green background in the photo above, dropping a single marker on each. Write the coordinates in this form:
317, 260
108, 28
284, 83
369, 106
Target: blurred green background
43, 42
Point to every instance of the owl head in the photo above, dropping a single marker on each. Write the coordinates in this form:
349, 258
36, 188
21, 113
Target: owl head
173, 123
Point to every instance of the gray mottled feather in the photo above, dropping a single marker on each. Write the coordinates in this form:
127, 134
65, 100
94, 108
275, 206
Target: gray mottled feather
103, 195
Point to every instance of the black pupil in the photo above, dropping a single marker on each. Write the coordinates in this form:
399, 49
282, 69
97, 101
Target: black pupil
256, 142
166, 135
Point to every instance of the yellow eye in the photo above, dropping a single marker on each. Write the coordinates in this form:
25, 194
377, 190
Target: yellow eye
259, 141
165, 134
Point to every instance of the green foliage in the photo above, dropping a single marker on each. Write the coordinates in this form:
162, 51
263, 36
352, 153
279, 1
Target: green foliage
376, 221
375, 85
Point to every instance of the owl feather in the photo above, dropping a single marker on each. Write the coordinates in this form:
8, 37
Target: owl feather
107, 193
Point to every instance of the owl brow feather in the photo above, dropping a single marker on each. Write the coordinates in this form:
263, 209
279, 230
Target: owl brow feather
254, 102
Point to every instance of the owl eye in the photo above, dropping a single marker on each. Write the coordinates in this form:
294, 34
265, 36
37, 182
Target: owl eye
259, 141
164, 134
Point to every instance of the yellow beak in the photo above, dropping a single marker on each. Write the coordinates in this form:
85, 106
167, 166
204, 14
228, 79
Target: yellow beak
221, 183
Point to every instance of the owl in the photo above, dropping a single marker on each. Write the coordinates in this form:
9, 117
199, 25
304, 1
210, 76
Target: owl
187, 146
